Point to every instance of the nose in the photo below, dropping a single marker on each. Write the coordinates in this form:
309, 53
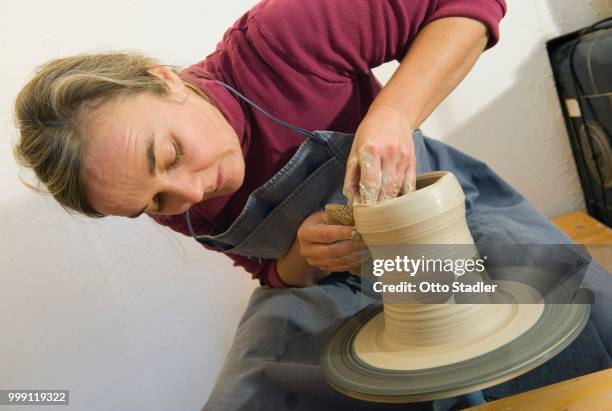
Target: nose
185, 192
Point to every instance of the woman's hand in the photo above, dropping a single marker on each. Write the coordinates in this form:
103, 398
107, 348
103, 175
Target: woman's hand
328, 247
318, 250
382, 162
382, 159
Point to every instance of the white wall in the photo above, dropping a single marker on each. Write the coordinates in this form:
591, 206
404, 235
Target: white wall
130, 316
125, 314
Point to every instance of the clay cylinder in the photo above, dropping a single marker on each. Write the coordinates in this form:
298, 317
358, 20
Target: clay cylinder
424, 223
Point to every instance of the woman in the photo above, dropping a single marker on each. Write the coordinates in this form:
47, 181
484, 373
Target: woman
224, 151
172, 142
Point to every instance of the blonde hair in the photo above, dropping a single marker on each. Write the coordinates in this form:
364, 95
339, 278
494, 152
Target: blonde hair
49, 113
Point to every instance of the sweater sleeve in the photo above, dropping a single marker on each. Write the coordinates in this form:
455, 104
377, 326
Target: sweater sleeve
336, 39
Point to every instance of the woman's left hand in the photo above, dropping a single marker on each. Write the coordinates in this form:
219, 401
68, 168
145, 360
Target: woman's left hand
382, 162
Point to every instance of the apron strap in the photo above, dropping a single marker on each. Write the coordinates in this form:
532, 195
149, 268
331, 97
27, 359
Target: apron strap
189, 226
270, 116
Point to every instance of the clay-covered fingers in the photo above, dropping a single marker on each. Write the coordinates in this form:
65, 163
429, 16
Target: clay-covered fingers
382, 159
390, 183
409, 175
363, 178
370, 173
385, 169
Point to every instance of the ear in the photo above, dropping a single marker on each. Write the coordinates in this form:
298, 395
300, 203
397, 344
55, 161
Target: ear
168, 76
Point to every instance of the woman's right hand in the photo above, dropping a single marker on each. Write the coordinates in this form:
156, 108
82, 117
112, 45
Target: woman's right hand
328, 247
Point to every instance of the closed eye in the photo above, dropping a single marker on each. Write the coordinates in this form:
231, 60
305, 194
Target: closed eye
178, 150
159, 199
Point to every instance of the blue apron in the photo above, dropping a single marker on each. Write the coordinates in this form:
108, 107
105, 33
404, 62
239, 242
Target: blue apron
313, 177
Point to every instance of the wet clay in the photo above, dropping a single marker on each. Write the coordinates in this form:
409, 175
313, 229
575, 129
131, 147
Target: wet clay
414, 336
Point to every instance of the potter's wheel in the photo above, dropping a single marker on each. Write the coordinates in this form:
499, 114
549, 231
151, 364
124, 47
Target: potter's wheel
556, 328
422, 352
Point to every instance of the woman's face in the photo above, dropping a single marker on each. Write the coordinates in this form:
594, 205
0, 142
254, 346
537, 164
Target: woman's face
159, 155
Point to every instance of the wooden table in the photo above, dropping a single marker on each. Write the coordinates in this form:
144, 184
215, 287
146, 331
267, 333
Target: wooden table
587, 393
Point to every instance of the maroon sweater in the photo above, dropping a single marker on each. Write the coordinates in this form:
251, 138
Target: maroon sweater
308, 63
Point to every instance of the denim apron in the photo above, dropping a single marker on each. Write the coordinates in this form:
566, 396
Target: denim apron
273, 361
313, 177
